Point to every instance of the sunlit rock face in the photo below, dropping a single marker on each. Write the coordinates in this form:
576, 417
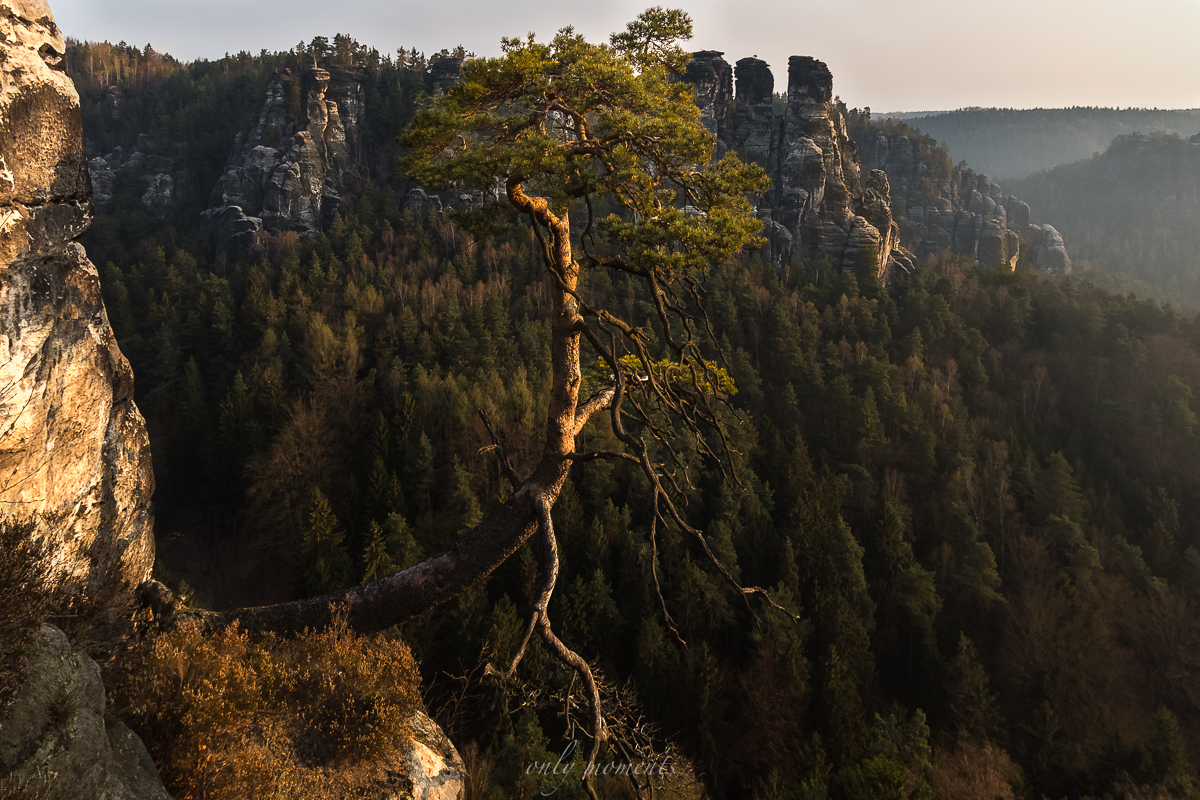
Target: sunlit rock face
73, 447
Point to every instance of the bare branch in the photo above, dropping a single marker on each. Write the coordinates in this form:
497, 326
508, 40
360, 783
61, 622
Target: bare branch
597, 403
654, 569
505, 464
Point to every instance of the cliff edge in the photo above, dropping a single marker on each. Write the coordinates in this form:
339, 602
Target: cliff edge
73, 447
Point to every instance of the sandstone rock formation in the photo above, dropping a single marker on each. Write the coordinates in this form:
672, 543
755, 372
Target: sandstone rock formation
819, 208
154, 171
712, 79
445, 72
73, 447
1049, 253
957, 210
291, 172
55, 742
753, 129
874, 204
432, 768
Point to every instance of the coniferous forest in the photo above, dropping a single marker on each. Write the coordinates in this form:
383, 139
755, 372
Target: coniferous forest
977, 491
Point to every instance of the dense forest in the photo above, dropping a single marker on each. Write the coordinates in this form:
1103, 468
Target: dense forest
1007, 144
977, 490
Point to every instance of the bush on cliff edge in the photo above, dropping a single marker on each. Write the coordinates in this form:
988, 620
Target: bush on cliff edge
232, 715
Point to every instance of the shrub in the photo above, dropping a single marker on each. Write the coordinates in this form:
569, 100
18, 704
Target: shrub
28, 586
229, 715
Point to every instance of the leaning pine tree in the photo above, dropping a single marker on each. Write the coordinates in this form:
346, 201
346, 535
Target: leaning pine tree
543, 133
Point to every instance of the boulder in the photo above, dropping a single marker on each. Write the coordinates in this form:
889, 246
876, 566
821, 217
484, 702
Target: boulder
431, 768
55, 742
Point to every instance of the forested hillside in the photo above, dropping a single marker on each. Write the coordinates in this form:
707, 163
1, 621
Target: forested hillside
1007, 144
1133, 210
976, 489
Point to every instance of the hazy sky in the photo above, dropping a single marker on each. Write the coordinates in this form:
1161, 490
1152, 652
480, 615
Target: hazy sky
891, 55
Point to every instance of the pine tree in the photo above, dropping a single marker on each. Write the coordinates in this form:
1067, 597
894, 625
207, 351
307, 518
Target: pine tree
1170, 765
463, 499
402, 548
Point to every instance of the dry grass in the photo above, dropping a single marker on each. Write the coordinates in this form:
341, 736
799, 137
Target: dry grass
234, 716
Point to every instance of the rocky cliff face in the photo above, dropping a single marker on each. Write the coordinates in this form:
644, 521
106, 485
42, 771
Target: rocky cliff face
713, 80
961, 211
819, 208
55, 742
154, 169
291, 172
73, 446
874, 204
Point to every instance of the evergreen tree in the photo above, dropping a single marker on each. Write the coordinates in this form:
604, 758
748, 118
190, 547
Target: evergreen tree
376, 560
970, 704
326, 564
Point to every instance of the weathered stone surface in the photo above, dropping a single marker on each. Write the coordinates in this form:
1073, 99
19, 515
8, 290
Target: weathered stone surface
73, 446
291, 172
104, 179
445, 72
966, 213
421, 203
156, 173
819, 209
712, 78
159, 195
753, 128
228, 229
1049, 253
432, 768
55, 740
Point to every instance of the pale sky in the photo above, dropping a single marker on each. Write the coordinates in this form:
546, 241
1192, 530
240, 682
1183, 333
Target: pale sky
891, 55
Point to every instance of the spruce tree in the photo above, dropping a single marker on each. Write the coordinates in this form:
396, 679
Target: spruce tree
326, 564
376, 561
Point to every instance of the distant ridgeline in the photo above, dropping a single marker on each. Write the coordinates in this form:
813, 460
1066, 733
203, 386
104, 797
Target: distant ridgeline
1134, 209
275, 143
1009, 144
